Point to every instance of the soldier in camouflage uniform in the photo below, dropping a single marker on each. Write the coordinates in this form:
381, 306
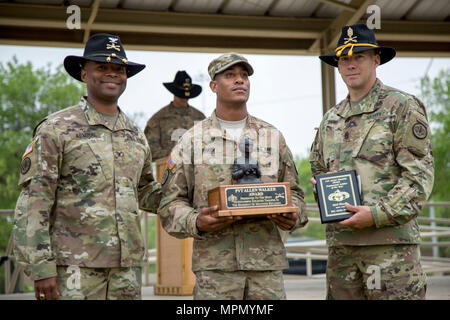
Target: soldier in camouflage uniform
233, 258
83, 178
166, 126
383, 134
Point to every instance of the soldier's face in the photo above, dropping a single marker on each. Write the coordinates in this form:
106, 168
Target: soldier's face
359, 70
104, 81
232, 85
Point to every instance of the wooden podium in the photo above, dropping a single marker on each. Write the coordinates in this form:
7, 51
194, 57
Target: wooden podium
175, 276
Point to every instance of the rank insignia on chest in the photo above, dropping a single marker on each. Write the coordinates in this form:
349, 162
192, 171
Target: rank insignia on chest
29, 149
171, 162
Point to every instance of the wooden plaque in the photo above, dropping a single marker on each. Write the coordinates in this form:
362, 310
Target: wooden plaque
333, 190
251, 199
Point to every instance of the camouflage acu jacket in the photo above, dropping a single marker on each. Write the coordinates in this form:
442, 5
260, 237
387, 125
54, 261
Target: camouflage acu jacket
386, 139
167, 125
81, 179
201, 161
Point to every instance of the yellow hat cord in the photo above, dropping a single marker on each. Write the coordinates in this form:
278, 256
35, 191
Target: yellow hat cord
108, 59
340, 49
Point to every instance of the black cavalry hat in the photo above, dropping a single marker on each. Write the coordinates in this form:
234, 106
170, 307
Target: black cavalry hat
357, 38
183, 87
101, 47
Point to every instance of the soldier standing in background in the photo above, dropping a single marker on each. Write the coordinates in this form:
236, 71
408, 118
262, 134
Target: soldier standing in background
166, 126
83, 177
233, 258
383, 134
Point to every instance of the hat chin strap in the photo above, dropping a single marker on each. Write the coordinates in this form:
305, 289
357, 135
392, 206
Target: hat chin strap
340, 49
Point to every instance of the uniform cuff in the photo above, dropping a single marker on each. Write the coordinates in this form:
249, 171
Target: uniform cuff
43, 271
302, 217
194, 232
379, 216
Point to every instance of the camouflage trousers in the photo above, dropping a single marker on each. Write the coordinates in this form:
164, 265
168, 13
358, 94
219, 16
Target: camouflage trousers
79, 283
239, 285
375, 272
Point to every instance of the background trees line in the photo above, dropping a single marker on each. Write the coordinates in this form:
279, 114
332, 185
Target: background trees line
29, 94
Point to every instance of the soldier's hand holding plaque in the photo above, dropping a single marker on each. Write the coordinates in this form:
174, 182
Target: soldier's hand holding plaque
333, 191
250, 196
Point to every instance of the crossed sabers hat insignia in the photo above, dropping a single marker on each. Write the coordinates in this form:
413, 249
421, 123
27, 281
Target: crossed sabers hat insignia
113, 44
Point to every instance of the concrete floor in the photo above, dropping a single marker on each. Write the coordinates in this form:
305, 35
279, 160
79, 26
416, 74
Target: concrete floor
297, 288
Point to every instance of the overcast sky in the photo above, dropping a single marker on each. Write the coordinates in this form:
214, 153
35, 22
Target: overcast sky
285, 90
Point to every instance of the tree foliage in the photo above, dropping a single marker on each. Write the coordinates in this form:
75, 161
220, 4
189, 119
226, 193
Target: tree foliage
27, 95
312, 229
436, 96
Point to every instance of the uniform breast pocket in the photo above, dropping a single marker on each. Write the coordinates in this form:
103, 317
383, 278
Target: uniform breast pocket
80, 162
208, 177
129, 160
377, 145
332, 140
126, 195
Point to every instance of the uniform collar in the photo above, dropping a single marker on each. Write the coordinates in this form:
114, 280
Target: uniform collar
366, 105
181, 110
214, 122
95, 118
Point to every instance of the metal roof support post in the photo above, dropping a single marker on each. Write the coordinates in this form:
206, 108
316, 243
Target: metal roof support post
87, 29
328, 87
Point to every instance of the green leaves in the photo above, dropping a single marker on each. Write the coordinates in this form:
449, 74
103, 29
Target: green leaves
27, 95
436, 96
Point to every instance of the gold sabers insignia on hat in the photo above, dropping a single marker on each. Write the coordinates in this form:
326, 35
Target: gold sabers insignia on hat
113, 44
187, 87
350, 38
347, 44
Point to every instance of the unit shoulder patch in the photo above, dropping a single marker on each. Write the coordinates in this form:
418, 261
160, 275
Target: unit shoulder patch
419, 130
417, 134
25, 165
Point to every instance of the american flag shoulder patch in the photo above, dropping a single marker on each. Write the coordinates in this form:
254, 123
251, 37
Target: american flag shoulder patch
29, 149
171, 161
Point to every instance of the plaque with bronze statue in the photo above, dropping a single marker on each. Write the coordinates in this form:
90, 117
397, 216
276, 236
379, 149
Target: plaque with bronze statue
250, 196
333, 190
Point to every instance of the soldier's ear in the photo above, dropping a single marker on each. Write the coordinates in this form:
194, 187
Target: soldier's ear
377, 59
213, 86
83, 74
